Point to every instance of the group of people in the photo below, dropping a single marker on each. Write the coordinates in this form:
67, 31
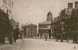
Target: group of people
16, 34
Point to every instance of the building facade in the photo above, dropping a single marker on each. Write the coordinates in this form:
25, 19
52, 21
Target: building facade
65, 25
30, 31
45, 27
6, 6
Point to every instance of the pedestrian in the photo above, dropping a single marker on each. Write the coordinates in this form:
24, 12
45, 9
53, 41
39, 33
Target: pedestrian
16, 33
74, 47
46, 36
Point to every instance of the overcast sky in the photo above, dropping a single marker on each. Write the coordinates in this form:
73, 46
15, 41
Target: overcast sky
35, 11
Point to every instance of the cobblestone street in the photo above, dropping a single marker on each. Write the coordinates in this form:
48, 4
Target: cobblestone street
39, 44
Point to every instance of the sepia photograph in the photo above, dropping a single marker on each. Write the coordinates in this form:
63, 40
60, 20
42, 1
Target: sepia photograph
38, 24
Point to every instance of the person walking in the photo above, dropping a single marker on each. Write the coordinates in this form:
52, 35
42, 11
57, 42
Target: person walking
46, 36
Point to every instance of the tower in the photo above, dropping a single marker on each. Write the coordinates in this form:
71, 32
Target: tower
70, 5
76, 4
49, 16
50, 19
68, 11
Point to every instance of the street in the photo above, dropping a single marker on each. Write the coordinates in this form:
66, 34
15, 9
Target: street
39, 44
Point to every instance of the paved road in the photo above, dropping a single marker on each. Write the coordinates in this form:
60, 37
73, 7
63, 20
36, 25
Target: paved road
38, 44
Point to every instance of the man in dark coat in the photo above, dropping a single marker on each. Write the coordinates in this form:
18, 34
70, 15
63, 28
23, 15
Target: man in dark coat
16, 33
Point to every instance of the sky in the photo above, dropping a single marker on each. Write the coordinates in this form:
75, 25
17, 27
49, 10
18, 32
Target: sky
35, 11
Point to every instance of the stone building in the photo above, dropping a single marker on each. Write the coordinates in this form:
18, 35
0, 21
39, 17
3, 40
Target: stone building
65, 25
45, 27
30, 30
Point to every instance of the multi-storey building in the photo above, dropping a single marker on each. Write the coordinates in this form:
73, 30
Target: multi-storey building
6, 6
65, 25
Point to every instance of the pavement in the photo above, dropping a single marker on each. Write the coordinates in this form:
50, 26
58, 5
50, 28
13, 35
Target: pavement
39, 44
